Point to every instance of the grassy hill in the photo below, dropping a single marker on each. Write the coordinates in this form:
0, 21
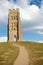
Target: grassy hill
8, 53
35, 52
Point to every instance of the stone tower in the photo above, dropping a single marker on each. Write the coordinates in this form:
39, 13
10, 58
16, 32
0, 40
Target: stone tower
14, 26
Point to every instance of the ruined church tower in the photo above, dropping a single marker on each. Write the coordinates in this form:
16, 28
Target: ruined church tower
14, 26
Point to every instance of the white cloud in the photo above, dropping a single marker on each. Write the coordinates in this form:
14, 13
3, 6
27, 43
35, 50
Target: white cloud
22, 3
36, 27
39, 32
5, 5
38, 41
3, 39
30, 14
27, 13
34, 41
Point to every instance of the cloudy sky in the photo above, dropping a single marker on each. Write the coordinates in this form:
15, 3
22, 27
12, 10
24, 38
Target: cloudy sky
31, 13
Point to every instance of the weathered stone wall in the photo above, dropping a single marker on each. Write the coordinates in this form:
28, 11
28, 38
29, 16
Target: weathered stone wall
14, 25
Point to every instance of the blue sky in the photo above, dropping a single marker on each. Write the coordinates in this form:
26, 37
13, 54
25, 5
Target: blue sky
31, 13
36, 2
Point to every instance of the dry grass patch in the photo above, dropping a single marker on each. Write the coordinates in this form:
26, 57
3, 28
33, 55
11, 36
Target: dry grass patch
8, 53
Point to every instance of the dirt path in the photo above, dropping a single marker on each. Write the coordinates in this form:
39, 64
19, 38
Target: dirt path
22, 57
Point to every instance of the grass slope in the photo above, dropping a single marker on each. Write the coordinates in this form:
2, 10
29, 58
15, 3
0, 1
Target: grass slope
8, 53
35, 52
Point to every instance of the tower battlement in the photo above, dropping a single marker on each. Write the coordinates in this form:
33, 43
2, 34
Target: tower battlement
13, 10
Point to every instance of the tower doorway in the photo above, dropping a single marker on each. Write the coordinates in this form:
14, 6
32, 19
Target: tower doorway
15, 38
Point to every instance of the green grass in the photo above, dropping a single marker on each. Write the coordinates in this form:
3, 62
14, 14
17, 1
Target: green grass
8, 53
35, 52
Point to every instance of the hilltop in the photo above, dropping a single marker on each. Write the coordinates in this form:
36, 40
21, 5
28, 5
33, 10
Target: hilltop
9, 53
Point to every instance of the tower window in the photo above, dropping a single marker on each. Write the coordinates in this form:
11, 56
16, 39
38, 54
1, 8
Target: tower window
14, 29
16, 17
12, 17
15, 24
